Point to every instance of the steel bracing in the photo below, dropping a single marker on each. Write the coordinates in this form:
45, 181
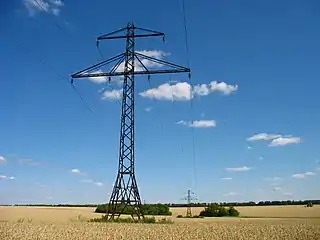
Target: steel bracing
125, 192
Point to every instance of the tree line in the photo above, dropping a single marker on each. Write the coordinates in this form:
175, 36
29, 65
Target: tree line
226, 204
147, 209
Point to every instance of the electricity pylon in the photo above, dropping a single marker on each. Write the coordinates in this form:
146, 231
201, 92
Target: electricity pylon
189, 199
125, 192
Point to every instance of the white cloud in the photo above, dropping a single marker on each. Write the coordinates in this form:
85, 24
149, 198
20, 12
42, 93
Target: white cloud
147, 63
100, 184
199, 124
282, 141
226, 178
303, 175
263, 136
48, 6
76, 171
230, 194
276, 139
138, 67
214, 86
4, 177
150, 53
148, 109
98, 80
112, 95
261, 158
183, 91
318, 169
2, 159
180, 91
238, 169
249, 147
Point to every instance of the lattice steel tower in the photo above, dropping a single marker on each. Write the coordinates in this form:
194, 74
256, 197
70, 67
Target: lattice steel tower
189, 199
125, 193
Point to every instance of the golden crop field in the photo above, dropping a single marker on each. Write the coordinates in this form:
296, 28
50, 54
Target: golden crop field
276, 222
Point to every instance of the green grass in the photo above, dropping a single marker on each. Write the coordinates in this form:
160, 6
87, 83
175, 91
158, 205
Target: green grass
147, 220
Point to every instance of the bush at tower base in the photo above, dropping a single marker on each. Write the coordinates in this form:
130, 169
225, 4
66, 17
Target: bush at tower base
215, 210
148, 209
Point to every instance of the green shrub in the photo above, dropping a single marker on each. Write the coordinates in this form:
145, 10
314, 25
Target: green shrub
147, 220
148, 209
233, 212
195, 216
309, 204
215, 210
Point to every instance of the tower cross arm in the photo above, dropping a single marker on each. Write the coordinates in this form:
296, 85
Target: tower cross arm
110, 74
142, 33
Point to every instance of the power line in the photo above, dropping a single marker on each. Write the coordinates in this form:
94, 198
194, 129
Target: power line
71, 83
191, 95
54, 22
109, 80
185, 32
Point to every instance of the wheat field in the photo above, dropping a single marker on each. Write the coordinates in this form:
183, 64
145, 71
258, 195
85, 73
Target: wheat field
268, 222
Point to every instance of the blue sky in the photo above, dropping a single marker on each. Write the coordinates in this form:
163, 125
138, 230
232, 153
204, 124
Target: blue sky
254, 85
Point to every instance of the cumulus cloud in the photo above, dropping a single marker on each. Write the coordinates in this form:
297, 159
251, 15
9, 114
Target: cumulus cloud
180, 91
183, 91
275, 139
4, 177
76, 171
198, 124
149, 64
138, 66
214, 86
98, 80
238, 169
282, 141
114, 94
47, 6
263, 136
303, 175
99, 184
2, 159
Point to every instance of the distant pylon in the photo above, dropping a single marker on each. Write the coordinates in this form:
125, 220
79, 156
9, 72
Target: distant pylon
189, 199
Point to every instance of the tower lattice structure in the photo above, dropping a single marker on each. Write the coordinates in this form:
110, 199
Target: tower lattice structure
189, 199
125, 193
